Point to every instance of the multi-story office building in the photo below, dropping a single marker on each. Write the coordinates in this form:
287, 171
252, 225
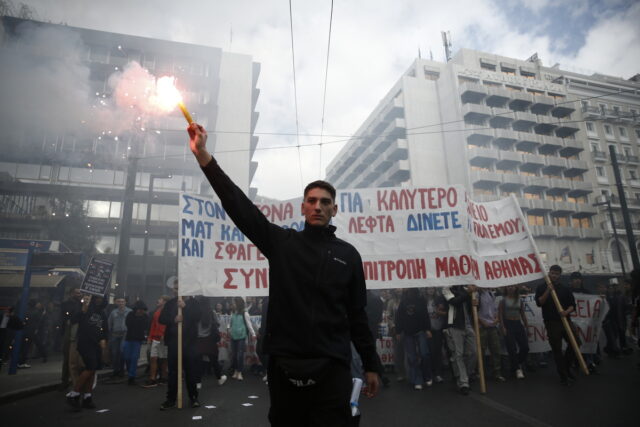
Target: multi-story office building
47, 176
498, 126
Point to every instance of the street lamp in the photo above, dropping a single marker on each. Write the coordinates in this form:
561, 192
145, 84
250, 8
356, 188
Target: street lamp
607, 203
147, 222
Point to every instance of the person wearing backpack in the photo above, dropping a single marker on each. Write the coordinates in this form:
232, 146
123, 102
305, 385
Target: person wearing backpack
239, 328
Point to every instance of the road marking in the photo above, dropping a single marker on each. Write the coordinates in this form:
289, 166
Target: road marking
510, 411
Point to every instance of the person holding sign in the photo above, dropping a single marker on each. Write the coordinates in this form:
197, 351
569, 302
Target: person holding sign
553, 323
317, 298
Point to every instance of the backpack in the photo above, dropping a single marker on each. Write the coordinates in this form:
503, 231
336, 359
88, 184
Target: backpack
238, 328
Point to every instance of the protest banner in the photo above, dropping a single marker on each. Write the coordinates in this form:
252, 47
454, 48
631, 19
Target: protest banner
407, 237
97, 279
587, 318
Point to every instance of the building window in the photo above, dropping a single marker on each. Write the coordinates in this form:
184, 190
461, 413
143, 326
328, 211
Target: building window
486, 66
637, 133
603, 108
633, 174
607, 130
600, 171
594, 147
585, 105
616, 110
535, 92
561, 221
623, 132
527, 74
509, 71
590, 127
536, 219
589, 258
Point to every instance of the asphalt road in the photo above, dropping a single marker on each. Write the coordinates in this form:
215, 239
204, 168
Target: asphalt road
607, 399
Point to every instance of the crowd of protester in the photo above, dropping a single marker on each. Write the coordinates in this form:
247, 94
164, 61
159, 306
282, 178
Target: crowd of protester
432, 333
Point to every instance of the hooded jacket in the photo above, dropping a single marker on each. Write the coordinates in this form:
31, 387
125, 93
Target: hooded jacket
458, 299
317, 292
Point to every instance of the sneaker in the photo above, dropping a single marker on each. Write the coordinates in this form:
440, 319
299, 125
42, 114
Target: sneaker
222, 380
150, 383
198, 386
439, 379
429, 383
239, 377
87, 403
464, 390
167, 404
265, 378
235, 375
417, 387
24, 366
195, 403
519, 374
500, 379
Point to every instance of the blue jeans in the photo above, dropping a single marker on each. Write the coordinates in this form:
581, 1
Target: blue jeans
238, 348
131, 354
417, 352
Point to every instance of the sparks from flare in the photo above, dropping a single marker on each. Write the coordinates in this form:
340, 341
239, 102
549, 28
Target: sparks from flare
167, 97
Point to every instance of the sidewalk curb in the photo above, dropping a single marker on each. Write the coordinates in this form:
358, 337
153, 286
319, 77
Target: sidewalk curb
44, 388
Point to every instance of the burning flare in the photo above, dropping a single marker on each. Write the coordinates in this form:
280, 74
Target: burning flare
167, 97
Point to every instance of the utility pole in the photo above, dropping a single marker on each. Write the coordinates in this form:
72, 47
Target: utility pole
607, 203
625, 211
446, 41
125, 224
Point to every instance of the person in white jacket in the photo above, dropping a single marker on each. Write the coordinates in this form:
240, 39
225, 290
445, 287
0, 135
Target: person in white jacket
240, 329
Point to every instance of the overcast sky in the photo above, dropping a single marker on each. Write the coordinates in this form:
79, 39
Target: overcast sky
372, 43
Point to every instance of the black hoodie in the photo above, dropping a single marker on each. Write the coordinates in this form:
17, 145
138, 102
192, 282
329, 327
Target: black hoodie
317, 292
92, 325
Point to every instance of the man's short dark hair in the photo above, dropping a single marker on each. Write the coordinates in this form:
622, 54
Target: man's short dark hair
321, 184
576, 275
555, 267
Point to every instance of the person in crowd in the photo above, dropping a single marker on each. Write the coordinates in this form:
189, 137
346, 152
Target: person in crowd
413, 328
208, 339
158, 354
514, 328
436, 307
68, 309
262, 354
625, 309
189, 318
553, 323
31, 324
240, 329
375, 309
460, 334
577, 287
41, 334
489, 336
398, 349
91, 345
9, 322
117, 333
317, 290
610, 324
137, 322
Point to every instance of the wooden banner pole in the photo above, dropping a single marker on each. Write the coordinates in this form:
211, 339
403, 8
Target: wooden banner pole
480, 355
554, 295
179, 355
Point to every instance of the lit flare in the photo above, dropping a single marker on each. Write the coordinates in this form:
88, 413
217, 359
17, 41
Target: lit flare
167, 97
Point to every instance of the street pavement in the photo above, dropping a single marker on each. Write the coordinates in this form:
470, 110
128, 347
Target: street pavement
606, 399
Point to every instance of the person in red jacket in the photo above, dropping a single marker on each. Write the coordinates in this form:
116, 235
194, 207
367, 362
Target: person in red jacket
158, 352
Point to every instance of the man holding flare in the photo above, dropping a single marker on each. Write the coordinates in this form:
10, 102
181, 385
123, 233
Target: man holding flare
317, 297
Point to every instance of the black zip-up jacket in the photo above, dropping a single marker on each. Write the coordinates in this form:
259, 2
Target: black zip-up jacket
412, 317
317, 292
137, 326
191, 315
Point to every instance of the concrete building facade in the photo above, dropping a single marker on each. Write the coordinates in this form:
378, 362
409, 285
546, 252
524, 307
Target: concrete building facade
498, 126
45, 175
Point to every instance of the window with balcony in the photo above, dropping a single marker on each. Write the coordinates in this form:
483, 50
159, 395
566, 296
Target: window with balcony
532, 196
580, 199
486, 66
556, 96
603, 108
491, 84
561, 221
633, 112
509, 71
627, 150
555, 197
601, 172
633, 174
595, 147
535, 92
581, 223
585, 105
513, 88
527, 74
536, 219
463, 79
616, 110
590, 127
